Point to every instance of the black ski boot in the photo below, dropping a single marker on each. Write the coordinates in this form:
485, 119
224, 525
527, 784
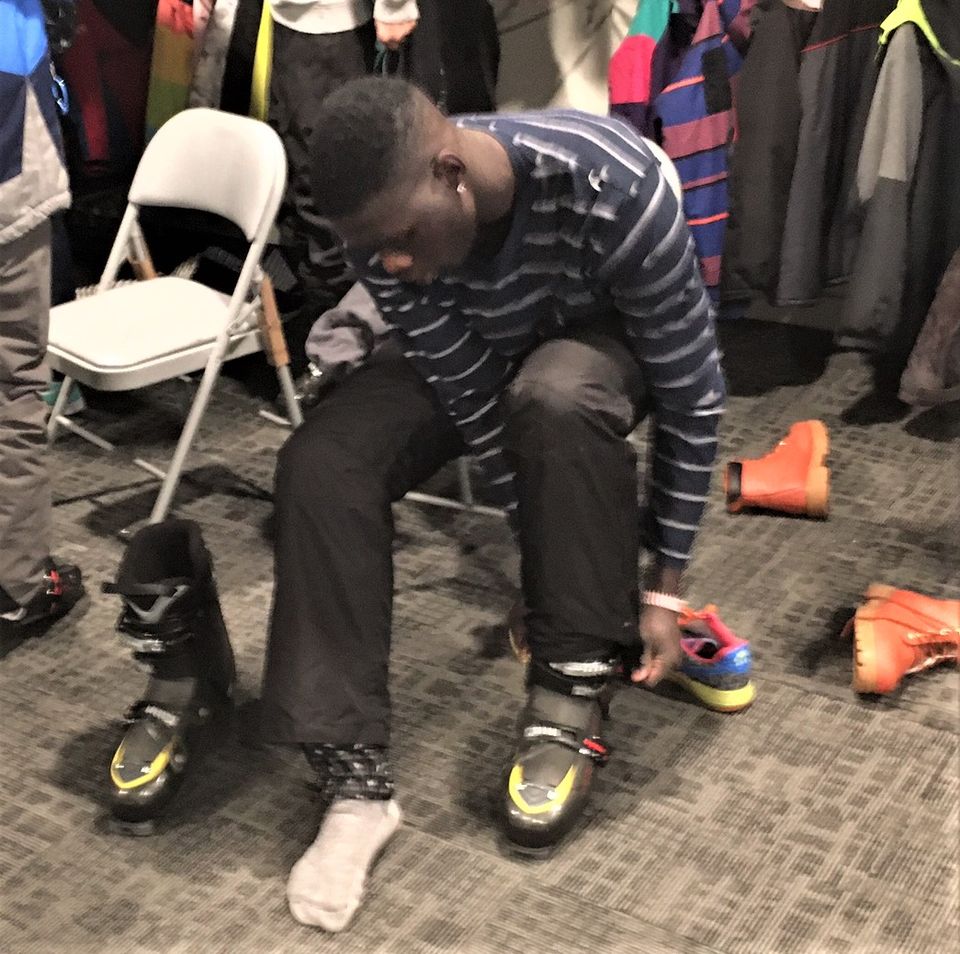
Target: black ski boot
171, 619
558, 748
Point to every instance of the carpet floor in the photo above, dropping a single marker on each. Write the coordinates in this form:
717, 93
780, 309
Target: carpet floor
815, 822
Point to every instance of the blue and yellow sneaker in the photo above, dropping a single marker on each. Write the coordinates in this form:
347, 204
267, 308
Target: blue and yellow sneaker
715, 667
716, 664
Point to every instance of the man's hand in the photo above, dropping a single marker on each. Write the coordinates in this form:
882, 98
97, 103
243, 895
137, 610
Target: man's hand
660, 633
391, 35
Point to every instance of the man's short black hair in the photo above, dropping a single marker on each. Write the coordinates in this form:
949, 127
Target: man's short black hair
360, 141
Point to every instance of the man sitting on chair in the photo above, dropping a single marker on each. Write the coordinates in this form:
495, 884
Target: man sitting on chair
543, 292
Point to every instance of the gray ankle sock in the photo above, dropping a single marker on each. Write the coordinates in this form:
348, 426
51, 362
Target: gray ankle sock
326, 885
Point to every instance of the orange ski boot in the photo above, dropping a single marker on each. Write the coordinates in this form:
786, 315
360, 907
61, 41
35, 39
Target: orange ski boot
792, 478
896, 632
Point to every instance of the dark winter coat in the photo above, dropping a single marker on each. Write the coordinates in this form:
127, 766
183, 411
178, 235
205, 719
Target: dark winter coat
933, 372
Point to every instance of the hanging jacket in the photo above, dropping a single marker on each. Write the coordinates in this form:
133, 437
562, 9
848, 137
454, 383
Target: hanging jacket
838, 73
761, 168
453, 55
697, 115
33, 178
234, 60
934, 227
932, 375
630, 77
107, 70
906, 190
938, 20
171, 64
206, 85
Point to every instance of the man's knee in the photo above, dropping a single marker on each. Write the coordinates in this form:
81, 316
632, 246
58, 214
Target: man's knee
568, 384
544, 416
543, 397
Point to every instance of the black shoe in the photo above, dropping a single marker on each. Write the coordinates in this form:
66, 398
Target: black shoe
63, 587
172, 621
558, 748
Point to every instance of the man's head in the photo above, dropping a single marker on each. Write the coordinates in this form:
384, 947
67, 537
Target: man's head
389, 174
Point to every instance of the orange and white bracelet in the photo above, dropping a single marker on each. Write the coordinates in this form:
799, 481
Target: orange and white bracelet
664, 601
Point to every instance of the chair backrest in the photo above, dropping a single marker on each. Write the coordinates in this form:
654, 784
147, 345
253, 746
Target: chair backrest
215, 162
669, 169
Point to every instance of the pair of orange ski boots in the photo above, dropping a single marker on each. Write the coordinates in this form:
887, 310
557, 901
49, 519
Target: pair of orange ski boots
895, 632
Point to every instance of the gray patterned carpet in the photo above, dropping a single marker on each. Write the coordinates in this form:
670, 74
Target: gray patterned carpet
814, 823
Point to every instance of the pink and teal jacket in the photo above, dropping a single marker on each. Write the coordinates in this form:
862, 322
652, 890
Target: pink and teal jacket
675, 79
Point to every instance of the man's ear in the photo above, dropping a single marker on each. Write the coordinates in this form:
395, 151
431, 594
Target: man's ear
449, 168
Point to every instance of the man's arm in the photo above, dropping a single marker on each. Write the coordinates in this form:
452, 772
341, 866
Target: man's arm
467, 374
652, 273
654, 277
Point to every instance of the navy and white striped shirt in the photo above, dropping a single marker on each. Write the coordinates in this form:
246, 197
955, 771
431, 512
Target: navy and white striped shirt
595, 231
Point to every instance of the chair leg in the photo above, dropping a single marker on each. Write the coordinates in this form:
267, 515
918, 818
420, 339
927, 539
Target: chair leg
161, 505
466, 484
53, 424
294, 413
88, 436
275, 346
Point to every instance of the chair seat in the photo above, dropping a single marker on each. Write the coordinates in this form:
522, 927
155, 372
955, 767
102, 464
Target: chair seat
135, 335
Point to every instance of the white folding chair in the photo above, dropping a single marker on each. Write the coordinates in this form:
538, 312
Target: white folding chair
134, 335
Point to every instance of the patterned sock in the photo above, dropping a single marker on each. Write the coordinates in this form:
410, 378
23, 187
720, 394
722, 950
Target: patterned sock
351, 771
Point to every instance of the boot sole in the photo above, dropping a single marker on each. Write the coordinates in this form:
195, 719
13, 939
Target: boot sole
718, 700
865, 678
132, 829
529, 853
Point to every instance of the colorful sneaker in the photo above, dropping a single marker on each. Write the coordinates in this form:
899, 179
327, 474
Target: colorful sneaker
715, 667
716, 663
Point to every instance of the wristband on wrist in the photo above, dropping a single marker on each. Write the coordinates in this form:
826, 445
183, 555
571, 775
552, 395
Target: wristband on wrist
664, 601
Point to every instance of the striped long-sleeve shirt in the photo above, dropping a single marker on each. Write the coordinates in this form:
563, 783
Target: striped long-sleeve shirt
595, 231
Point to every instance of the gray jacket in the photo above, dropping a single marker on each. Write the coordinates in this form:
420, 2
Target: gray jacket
33, 179
342, 337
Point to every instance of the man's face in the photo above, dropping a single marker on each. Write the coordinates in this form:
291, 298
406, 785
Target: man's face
417, 230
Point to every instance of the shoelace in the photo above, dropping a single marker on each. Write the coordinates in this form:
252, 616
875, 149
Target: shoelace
936, 645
